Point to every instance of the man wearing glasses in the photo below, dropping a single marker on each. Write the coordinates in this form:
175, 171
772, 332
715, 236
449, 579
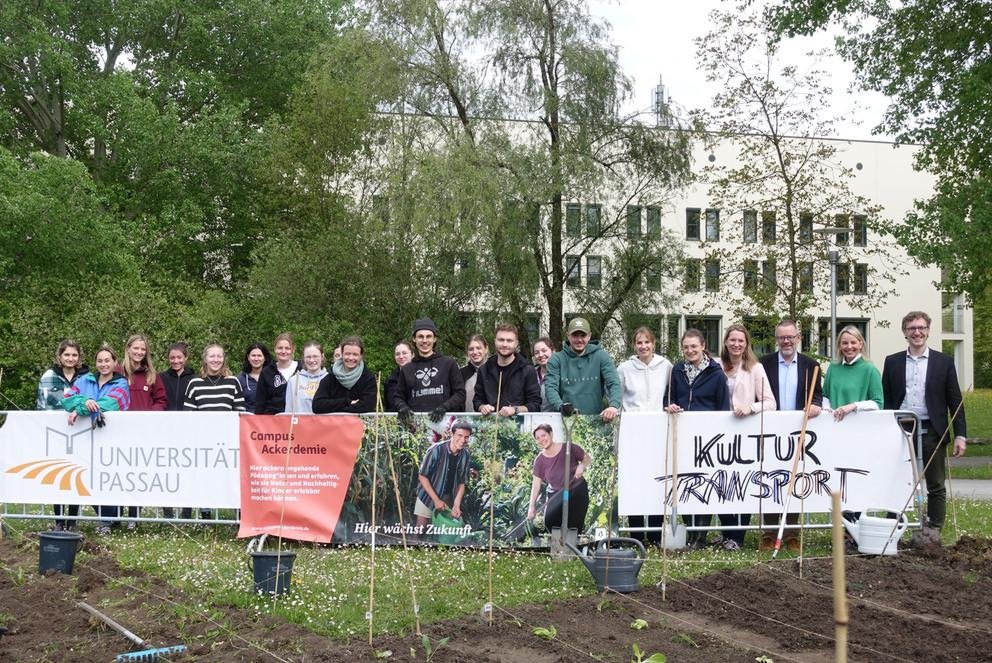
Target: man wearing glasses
789, 374
924, 381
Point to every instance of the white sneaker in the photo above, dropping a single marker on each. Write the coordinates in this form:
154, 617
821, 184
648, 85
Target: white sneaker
132, 525
731, 545
103, 530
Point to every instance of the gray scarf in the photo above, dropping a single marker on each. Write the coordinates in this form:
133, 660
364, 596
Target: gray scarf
344, 376
692, 372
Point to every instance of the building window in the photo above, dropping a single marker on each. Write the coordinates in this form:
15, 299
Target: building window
532, 326
805, 227
692, 269
750, 275
633, 222
768, 227
654, 222
634, 321
750, 226
573, 220
843, 278
859, 284
712, 275
594, 271
672, 344
593, 216
826, 341
769, 275
652, 279
806, 277
692, 223
762, 332
860, 230
712, 225
842, 221
573, 272
710, 326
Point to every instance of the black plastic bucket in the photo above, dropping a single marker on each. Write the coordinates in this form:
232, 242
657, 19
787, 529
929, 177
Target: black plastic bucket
57, 551
273, 571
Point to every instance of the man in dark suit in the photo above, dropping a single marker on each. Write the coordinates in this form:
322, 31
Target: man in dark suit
924, 381
789, 373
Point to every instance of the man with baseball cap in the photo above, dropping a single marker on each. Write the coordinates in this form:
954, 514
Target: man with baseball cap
431, 382
583, 375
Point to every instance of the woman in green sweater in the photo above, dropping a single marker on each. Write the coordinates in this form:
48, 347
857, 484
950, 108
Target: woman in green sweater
853, 383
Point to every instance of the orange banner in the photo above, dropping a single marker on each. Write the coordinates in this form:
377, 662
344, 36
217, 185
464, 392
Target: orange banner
295, 472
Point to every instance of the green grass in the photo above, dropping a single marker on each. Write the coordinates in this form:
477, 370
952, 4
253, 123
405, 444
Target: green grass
978, 411
973, 472
331, 584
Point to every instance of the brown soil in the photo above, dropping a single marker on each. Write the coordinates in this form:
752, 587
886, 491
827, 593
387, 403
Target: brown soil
933, 605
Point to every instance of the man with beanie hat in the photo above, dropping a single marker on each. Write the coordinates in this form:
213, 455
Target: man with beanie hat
431, 382
583, 375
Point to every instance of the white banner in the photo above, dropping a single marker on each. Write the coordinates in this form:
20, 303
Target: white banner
176, 459
729, 464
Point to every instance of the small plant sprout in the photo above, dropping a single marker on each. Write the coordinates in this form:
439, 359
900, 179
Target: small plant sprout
546, 633
639, 624
685, 639
640, 656
764, 659
430, 649
384, 653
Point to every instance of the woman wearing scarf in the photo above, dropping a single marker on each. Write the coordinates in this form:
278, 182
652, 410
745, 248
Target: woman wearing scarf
698, 384
302, 387
350, 386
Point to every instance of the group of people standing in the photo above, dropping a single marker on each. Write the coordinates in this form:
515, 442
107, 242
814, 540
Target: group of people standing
581, 377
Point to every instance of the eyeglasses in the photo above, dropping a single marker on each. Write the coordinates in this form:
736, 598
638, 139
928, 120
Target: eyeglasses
785, 339
918, 328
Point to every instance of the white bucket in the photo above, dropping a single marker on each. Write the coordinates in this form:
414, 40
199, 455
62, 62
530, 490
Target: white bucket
876, 535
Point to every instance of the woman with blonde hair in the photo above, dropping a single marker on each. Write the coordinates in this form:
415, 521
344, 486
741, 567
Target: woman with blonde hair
852, 383
147, 390
270, 398
750, 393
215, 389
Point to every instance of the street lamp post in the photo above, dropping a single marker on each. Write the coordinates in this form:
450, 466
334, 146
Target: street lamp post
833, 256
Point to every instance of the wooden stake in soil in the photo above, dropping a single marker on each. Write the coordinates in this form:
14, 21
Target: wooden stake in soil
375, 482
406, 547
492, 495
795, 461
840, 587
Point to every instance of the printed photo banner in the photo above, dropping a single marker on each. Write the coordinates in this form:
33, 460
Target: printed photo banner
295, 474
729, 464
168, 459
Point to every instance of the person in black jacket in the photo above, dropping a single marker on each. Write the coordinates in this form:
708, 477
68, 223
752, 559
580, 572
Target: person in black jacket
177, 377
431, 382
349, 386
402, 355
270, 397
506, 383
924, 381
789, 375
697, 384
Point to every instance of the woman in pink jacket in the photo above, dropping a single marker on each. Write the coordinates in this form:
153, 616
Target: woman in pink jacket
750, 393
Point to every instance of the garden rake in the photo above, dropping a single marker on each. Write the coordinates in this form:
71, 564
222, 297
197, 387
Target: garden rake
150, 653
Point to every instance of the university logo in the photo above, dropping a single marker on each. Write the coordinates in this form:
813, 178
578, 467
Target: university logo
59, 468
425, 375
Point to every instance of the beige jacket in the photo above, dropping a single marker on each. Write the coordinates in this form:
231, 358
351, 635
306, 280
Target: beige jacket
752, 392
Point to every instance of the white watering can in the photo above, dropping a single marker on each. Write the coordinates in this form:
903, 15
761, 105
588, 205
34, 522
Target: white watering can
876, 536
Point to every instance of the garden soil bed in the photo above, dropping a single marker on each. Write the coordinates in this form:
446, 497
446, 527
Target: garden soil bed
933, 605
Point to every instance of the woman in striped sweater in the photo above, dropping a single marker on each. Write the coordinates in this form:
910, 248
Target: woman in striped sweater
215, 389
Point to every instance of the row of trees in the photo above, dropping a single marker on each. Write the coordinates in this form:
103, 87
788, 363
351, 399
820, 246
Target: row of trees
203, 170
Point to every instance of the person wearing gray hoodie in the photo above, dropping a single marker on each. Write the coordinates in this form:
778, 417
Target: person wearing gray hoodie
302, 386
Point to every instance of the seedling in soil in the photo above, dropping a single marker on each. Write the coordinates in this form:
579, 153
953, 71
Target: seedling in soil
639, 624
764, 659
603, 603
385, 653
429, 649
685, 639
546, 633
639, 656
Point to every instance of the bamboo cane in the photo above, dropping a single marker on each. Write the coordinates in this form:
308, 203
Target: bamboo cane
840, 592
375, 482
492, 496
795, 462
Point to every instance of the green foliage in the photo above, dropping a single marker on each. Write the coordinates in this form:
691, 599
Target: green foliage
939, 87
639, 624
642, 656
978, 412
548, 633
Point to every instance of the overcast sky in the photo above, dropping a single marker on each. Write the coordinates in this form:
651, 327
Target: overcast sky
655, 38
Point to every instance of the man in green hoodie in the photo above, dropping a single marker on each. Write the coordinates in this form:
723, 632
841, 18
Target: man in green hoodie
583, 374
